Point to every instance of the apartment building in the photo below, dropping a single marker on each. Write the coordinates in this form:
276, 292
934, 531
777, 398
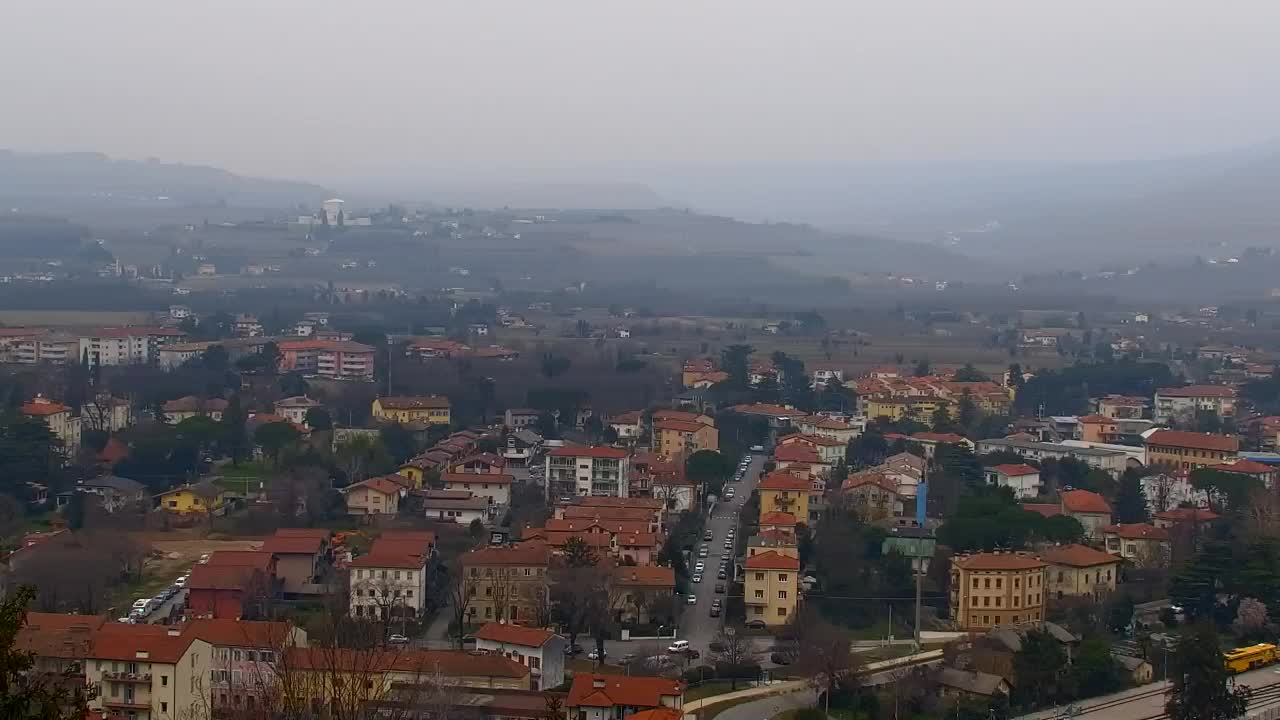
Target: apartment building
579, 470
1080, 571
1185, 402
390, 582
542, 651
148, 672
771, 587
243, 671
47, 348
330, 359
64, 425
784, 492
989, 589
427, 409
507, 583
675, 438
1184, 450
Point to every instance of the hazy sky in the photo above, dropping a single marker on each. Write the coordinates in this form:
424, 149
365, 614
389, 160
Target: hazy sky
324, 90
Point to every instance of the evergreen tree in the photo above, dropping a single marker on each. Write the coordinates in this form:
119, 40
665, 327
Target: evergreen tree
30, 695
1131, 502
235, 437
1201, 688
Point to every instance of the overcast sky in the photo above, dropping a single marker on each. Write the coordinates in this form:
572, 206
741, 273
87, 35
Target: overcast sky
321, 90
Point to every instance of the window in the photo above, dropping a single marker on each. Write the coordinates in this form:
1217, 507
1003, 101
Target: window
998, 600
408, 593
757, 610
986, 583
1060, 576
782, 594
986, 602
759, 576
782, 612
759, 594
397, 575
782, 577
975, 583
488, 612
164, 681
999, 583
164, 707
235, 655
986, 619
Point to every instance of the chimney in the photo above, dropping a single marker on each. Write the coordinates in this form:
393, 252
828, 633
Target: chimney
174, 632
597, 683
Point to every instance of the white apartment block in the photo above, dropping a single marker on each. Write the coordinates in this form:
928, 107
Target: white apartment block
578, 471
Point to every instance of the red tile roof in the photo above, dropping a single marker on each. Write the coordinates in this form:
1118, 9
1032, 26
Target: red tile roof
777, 518
1198, 391
1045, 509
868, 477
41, 407
56, 635
287, 545
618, 502
381, 485
998, 561
779, 480
242, 633
123, 641
647, 576
771, 410
1186, 514
514, 634
1077, 556
525, 553
796, 453
679, 425
607, 525
1245, 467
449, 663
591, 451
1015, 470
1199, 441
1096, 420
1137, 531
223, 577
620, 690
1085, 501
770, 560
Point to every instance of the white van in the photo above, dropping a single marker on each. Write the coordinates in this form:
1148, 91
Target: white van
678, 646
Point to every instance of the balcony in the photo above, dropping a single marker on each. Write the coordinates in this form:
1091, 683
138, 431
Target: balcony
126, 703
762, 602
128, 677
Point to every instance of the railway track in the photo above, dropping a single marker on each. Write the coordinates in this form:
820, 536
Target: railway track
1262, 696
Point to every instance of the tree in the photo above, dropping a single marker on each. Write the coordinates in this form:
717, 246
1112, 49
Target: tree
735, 651
398, 441
1131, 503
363, 456
708, 468
922, 368
1038, 667
969, 373
27, 694
275, 437
234, 434
555, 365
735, 361
824, 653
1200, 686
319, 419
578, 554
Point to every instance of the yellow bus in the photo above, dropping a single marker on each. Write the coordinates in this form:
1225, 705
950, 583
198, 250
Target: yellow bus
1249, 657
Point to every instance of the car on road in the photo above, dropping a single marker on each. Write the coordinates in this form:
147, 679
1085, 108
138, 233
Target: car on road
757, 448
722, 575
703, 551
678, 646
699, 566
779, 659
142, 605
693, 600
720, 588
398, 639
204, 559
628, 659
715, 612
755, 624
697, 577
708, 536
181, 581
572, 650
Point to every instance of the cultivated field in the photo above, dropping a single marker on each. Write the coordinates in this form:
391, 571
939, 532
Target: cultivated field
79, 318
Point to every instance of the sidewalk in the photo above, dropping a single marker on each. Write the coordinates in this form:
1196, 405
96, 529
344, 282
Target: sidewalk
773, 688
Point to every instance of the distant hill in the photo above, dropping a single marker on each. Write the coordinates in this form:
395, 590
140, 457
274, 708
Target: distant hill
69, 179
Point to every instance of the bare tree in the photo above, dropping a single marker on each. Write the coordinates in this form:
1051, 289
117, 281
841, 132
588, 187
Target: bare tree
736, 650
461, 590
824, 652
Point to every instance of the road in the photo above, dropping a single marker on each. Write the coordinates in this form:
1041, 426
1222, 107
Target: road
1147, 701
696, 624
766, 708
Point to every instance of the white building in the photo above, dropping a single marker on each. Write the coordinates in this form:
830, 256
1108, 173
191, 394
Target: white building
542, 651
389, 582
294, 409
1184, 402
179, 312
119, 346
177, 354
578, 471
107, 413
1023, 479
455, 506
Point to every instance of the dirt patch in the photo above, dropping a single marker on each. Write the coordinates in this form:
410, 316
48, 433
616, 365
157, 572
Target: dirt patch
180, 555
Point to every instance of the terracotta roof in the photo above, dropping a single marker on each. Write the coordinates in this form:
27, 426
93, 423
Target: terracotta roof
1096, 419
241, 633
330, 345
41, 407
514, 634
779, 480
525, 553
1198, 391
292, 545
411, 558
944, 438
1186, 514
679, 425
768, 409
450, 663
1077, 556
1085, 501
810, 440
114, 451
56, 635
1199, 441
404, 402
382, 485
998, 561
796, 453
191, 403
857, 480
239, 558
771, 560
618, 502
620, 690
1245, 467
1045, 509
592, 451
649, 576
560, 538
609, 513
223, 577
323, 533
608, 525
1137, 531
495, 478
627, 418
676, 415
123, 641
1015, 470
777, 518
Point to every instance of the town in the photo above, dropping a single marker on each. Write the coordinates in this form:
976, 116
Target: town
242, 512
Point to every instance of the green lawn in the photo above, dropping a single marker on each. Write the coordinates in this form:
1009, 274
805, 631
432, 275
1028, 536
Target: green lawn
710, 688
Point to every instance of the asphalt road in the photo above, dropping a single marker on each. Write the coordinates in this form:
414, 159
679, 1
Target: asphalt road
1147, 701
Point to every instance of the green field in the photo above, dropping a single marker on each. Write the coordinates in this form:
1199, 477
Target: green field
79, 318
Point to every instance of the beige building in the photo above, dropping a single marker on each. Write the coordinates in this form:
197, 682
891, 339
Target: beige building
771, 587
673, 438
1142, 544
506, 583
997, 588
148, 672
64, 425
1081, 571
375, 496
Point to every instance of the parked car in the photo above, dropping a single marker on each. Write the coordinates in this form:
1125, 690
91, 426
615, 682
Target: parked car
181, 581
757, 448
755, 624
678, 646
720, 587
595, 655
722, 575
572, 650
779, 659
697, 577
708, 536
398, 639
715, 612
692, 600
704, 551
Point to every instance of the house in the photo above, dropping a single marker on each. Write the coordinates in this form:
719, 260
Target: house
1112, 461
148, 672
494, 488
433, 348
428, 409
830, 450
1180, 449
232, 584
679, 492
506, 582
628, 425
1198, 517
375, 496
175, 411
479, 464
1121, 407
771, 587
542, 651
824, 373
827, 427
643, 595
295, 409
1080, 571
1185, 402
302, 558
919, 408
647, 510
318, 674
1265, 475
786, 456
1023, 479
106, 413
1140, 671
1099, 429
245, 656
522, 446
784, 492
931, 441
1165, 491
204, 497
456, 506
247, 326
615, 697
1089, 508
328, 359
872, 495
579, 470
973, 684
390, 582
676, 438
114, 493
997, 588
1141, 544
175, 355
518, 418
58, 418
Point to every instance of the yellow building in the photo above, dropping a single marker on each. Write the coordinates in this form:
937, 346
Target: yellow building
771, 587
202, 497
997, 588
1079, 570
429, 409
920, 408
1183, 450
785, 493
673, 438
506, 583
